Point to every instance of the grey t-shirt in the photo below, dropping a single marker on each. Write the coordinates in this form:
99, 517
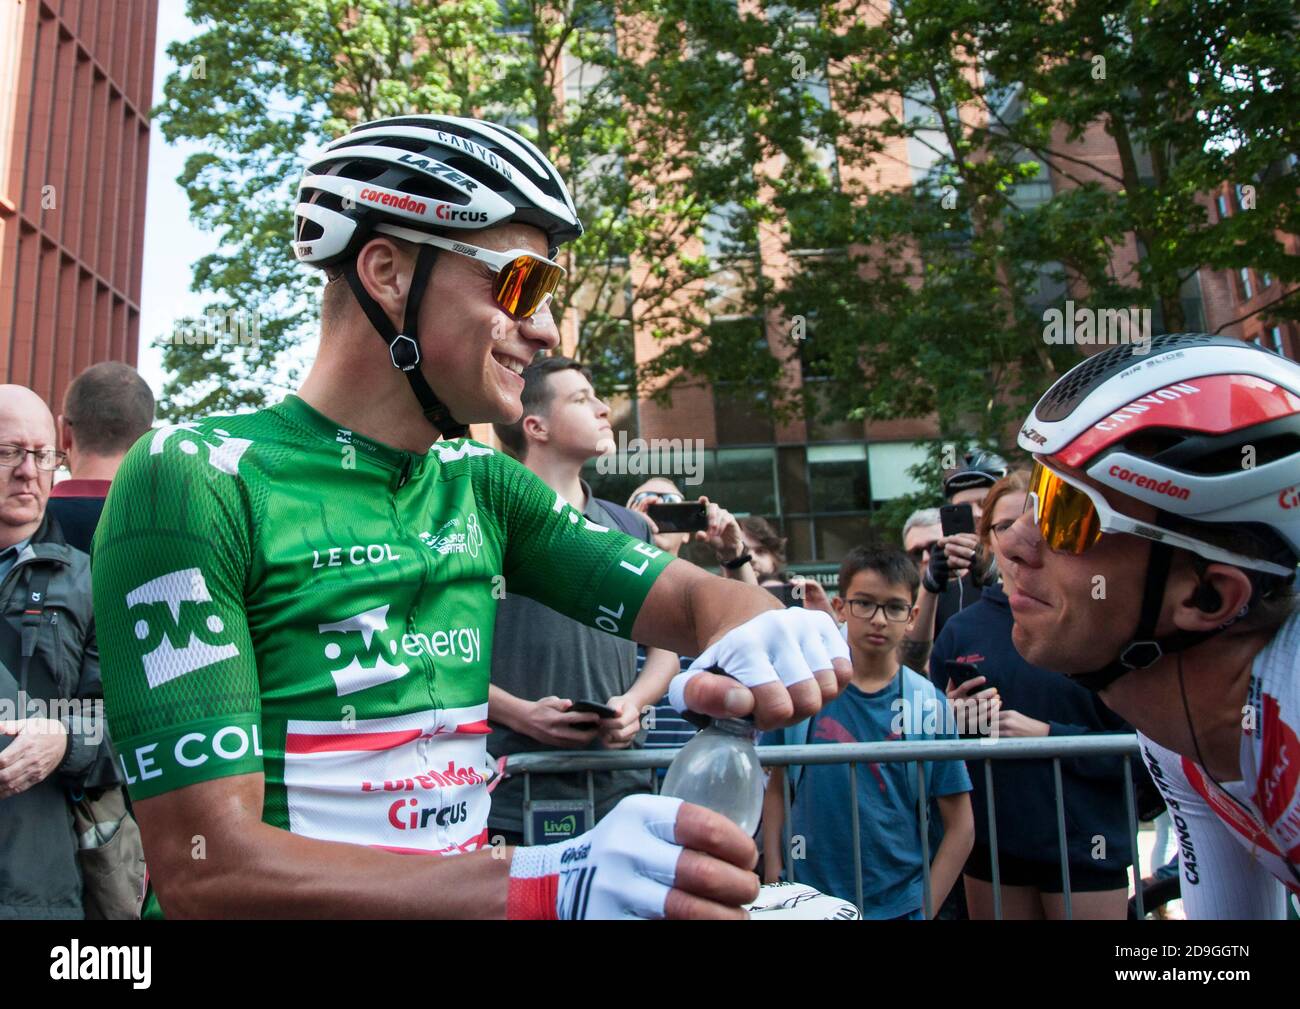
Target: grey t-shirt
537, 653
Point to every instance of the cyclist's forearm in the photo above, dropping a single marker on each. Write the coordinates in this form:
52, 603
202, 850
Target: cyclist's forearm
261, 871
687, 609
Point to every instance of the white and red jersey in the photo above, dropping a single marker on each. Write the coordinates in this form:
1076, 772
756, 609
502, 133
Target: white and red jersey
1239, 843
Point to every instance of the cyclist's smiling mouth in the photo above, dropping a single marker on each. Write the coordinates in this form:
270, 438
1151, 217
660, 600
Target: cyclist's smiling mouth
515, 365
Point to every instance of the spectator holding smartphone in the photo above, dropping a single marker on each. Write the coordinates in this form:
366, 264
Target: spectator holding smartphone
722, 533
948, 583
666, 728
541, 661
1011, 698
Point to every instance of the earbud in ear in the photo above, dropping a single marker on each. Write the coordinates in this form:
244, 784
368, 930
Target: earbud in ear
1207, 598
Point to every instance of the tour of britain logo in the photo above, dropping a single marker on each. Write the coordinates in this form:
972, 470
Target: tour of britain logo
223, 449
193, 637
451, 539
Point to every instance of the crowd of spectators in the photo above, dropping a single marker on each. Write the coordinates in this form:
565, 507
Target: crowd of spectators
927, 624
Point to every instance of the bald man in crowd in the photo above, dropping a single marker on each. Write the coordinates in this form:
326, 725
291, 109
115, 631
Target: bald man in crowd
51, 725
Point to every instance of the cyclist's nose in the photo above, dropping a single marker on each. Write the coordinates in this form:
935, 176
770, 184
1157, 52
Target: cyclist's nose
540, 329
1023, 543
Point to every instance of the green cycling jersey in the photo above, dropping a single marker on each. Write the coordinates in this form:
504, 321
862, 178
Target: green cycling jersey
276, 594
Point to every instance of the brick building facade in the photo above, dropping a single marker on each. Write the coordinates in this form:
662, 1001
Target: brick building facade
76, 82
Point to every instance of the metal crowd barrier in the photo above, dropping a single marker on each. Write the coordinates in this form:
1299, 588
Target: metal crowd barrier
973, 750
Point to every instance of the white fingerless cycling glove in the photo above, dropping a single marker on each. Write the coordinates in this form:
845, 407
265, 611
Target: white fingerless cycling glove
779, 645
622, 868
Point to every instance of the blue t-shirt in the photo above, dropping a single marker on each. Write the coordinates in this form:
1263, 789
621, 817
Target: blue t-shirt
892, 879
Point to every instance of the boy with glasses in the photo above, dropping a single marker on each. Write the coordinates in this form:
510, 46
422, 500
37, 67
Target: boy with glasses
884, 700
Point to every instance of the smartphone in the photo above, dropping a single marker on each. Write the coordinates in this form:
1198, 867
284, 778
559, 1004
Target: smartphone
688, 517
592, 708
960, 672
786, 593
957, 519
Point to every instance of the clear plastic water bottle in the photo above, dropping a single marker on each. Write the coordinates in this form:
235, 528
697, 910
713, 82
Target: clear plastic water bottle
719, 769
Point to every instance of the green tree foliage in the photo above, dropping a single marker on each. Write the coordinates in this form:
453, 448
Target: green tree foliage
954, 213
641, 128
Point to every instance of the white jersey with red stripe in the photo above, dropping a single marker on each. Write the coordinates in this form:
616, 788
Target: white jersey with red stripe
1239, 842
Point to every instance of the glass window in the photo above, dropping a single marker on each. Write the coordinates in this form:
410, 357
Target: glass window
742, 480
1222, 203
837, 536
1275, 337
889, 463
793, 462
1266, 280
837, 477
1246, 291
799, 545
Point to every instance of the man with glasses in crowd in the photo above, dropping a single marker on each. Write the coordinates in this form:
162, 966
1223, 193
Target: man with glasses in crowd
1155, 563
51, 733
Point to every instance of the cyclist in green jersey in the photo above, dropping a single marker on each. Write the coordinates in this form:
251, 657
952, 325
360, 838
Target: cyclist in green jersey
296, 606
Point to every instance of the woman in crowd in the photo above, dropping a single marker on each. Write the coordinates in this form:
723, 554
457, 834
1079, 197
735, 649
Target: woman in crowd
1019, 699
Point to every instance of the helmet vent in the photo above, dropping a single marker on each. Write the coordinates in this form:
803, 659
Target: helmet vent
480, 172
1070, 390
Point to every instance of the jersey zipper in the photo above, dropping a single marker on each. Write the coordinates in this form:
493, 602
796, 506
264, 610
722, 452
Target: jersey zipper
405, 474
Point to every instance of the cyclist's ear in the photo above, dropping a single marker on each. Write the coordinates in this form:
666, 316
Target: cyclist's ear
1206, 600
384, 266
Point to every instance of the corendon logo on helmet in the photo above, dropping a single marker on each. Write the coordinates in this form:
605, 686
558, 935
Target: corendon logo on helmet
1289, 498
1142, 404
446, 212
1148, 483
402, 202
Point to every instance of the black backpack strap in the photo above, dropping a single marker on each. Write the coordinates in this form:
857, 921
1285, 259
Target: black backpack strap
34, 609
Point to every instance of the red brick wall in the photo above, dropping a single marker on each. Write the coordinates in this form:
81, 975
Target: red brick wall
70, 273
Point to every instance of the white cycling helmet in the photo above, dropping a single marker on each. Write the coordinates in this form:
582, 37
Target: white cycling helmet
433, 173
440, 174
1204, 428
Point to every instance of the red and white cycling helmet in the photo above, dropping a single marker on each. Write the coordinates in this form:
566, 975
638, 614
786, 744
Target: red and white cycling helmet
1204, 428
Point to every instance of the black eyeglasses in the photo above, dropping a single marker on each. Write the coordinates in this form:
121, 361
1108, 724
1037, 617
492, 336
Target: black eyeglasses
999, 528
46, 458
866, 609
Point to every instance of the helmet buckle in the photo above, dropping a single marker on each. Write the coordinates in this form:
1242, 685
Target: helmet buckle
1140, 654
405, 352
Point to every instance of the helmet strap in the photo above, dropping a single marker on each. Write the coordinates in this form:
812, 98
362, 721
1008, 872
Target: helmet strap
404, 347
1145, 649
